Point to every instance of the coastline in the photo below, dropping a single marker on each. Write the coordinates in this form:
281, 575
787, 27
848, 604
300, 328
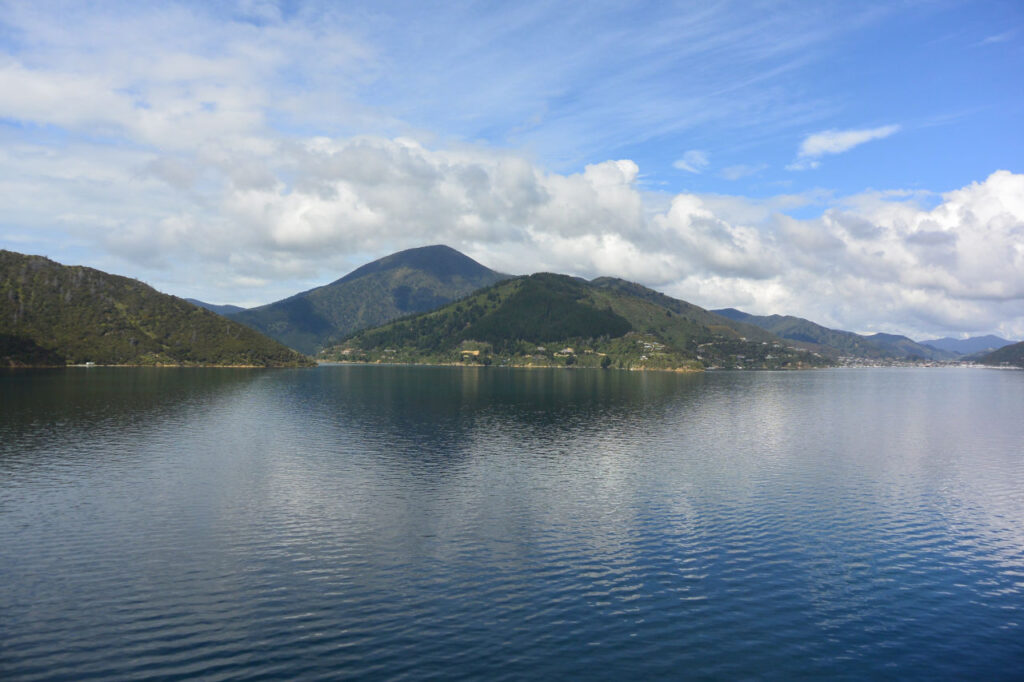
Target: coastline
159, 365
678, 370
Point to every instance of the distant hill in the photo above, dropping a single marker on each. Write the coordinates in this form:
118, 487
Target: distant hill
899, 346
839, 342
975, 344
52, 314
219, 309
550, 320
1007, 355
406, 282
833, 341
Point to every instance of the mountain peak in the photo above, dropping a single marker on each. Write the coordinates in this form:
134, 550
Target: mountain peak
549, 319
438, 260
410, 281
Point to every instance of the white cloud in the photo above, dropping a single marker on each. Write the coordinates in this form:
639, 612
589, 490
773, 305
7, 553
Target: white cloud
693, 161
836, 142
301, 214
803, 164
224, 147
742, 170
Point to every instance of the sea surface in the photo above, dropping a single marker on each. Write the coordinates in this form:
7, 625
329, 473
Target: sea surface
358, 522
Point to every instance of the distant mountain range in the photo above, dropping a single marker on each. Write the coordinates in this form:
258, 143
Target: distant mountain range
971, 346
52, 314
552, 320
430, 304
899, 346
403, 283
219, 309
836, 342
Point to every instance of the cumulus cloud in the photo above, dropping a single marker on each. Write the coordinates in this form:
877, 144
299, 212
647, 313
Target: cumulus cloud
890, 264
869, 263
693, 161
836, 142
200, 155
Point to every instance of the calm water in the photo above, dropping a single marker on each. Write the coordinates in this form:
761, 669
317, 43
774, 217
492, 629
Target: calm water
396, 522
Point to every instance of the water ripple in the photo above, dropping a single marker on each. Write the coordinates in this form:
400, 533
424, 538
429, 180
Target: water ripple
420, 523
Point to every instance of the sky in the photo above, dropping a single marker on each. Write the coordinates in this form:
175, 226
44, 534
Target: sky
858, 164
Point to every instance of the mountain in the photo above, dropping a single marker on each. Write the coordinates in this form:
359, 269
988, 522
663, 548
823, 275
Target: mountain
839, 342
710, 319
975, 344
219, 309
834, 341
899, 346
1007, 355
406, 282
53, 314
547, 320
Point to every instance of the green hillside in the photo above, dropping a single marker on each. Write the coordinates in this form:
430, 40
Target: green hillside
836, 342
899, 346
556, 320
689, 311
52, 314
831, 341
1007, 355
407, 282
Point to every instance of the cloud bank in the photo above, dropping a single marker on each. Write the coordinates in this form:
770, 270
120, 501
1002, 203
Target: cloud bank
256, 217
220, 157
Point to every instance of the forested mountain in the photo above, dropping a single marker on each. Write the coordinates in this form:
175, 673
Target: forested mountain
52, 314
406, 282
219, 309
1007, 355
899, 346
547, 319
710, 319
833, 341
975, 344
837, 342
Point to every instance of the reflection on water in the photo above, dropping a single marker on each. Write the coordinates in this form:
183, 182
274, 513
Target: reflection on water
417, 522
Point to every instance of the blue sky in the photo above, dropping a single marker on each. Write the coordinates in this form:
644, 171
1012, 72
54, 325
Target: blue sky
855, 163
743, 83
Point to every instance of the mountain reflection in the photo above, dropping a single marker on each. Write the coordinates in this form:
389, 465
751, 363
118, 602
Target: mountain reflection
385, 521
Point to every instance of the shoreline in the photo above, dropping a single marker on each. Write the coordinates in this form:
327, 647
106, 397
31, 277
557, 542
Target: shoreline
676, 370
160, 366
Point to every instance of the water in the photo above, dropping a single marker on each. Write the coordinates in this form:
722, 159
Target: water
416, 523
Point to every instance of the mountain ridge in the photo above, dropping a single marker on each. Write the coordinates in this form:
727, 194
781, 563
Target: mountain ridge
402, 283
548, 319
53, 314
901, 346
838, 342
969, 346
225, 310
1012, 355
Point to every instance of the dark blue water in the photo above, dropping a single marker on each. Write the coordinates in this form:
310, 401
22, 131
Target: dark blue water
396, 522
